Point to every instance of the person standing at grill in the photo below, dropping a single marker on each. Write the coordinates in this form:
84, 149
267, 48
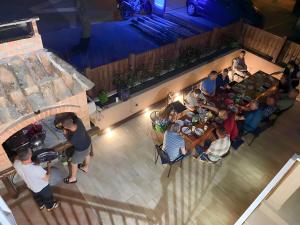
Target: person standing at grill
36, 179
76, 133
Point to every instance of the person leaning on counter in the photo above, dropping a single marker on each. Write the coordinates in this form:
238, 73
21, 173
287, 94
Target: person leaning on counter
36, 179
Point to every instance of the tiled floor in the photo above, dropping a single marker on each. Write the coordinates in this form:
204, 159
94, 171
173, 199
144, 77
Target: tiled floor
125, 187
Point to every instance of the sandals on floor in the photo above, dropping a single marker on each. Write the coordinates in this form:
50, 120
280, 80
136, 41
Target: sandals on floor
67, 181
80, 167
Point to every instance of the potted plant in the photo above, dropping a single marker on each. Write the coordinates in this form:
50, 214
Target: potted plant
122, 87
103, 97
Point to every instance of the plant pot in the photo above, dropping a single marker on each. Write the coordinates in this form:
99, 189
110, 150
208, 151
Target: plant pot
124, 93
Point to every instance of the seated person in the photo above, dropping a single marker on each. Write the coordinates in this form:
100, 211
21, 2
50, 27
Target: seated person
285, 101
208, 86
173, 143
165, 116
223, 80
228, 121
193, 99
269, 107
239, 66
217, 148
252, 118
284, 85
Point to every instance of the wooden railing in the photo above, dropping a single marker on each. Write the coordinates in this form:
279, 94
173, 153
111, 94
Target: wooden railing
274, 48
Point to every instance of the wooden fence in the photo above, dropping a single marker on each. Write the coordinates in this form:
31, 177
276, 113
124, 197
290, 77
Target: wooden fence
276, 49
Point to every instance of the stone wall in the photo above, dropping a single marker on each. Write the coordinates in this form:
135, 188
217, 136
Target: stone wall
77, 104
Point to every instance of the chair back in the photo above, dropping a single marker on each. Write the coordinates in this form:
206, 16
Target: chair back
164, 157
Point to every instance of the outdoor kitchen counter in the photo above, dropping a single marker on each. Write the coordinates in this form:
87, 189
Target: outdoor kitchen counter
7, 174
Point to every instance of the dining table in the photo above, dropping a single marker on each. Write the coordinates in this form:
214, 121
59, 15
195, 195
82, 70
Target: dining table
255, 87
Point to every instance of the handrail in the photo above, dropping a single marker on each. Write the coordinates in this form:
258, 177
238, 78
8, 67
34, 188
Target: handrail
273, 183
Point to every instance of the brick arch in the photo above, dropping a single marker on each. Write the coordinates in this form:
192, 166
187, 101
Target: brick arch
31, 118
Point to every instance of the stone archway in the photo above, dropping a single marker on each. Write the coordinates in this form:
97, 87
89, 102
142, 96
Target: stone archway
27, 120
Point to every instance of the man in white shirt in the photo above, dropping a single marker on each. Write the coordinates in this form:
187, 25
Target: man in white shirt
239, 67
217, 148
193, 98
36, 179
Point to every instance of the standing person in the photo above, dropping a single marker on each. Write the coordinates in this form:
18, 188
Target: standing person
76, 133
36, 179
208, 86
222, 81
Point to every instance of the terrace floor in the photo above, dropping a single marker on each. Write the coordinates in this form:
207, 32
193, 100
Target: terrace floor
125, 187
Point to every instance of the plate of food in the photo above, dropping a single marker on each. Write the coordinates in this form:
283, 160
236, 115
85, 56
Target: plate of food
199, 131
190, 114
231, 95
187, 122
180, 122
247, 98
186, 130
261, 89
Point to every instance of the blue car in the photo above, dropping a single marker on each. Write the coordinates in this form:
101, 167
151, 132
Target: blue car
225, 11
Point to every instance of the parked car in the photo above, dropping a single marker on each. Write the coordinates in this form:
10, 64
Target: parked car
225, 11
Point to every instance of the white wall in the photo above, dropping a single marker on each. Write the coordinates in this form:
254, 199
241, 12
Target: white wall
139, 101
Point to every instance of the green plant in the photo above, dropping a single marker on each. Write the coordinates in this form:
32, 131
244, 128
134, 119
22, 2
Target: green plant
103, 97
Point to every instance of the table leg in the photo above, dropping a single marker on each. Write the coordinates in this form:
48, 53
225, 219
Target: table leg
12, 190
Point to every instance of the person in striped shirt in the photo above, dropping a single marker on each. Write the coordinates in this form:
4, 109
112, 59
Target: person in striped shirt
217, 148
173, 143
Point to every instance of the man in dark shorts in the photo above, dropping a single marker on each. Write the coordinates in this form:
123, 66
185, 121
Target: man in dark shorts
76, 133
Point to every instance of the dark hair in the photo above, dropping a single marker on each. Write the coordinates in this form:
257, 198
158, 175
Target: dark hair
244, 52
213, 72
23, 154
197, 91
221, 130
225, 70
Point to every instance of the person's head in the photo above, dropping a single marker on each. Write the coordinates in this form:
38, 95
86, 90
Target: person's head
291, 64
197, 93
69, 124
25, 155
225, 73
270, 101
165, 112
175, 127
213, 75
223, 114
293, 93
221, 132
242, 54
254, 105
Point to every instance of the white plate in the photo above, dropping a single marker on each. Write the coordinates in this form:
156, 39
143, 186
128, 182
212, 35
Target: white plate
199, 131
186, 130
190, 114
179, 122
187, 122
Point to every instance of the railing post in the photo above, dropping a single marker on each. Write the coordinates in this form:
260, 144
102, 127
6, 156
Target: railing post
131, 61
178, 47
213, 37
279, 49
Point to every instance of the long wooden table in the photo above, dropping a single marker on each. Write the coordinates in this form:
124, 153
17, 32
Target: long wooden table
192, 140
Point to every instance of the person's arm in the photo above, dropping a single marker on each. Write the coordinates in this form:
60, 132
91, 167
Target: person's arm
212, 108
47, 176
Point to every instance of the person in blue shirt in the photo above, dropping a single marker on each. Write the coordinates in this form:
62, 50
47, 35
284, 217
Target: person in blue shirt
252, 118
223, 80
208, 86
